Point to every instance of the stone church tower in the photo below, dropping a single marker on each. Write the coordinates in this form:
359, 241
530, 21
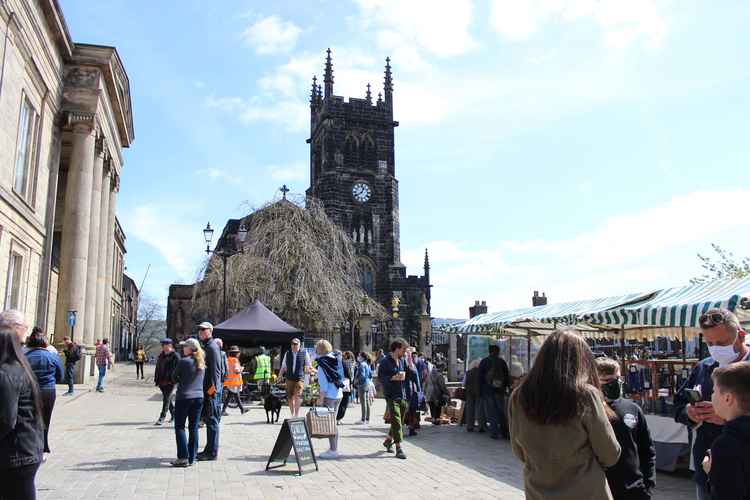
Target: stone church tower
353, 173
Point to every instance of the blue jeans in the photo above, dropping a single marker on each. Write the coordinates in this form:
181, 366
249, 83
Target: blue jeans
494, 412
102, 373
190, 410
70, 376
213, 419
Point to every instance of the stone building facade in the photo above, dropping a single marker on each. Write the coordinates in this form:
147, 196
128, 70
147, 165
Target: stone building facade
65, 117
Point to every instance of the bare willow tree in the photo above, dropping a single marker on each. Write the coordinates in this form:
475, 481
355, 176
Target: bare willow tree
723, 265
298, 263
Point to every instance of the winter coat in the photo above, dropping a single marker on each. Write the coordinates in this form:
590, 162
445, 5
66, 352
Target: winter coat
730, 461
565, 462
435, 389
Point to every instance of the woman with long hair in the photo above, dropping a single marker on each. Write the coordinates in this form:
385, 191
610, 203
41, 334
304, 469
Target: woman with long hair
188, 401
48, 371
559, 426
21, 425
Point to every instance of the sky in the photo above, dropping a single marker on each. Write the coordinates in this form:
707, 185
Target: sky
582, 148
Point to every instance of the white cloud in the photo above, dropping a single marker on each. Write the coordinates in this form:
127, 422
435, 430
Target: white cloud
292, 114
152, 225
271, 35
438, 27
292, 172
649, 249
622, 23
217, 174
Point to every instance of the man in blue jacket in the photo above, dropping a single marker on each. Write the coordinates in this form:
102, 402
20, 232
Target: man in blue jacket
725, 339
212, 387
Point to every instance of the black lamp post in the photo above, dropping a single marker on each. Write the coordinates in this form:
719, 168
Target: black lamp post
225, 252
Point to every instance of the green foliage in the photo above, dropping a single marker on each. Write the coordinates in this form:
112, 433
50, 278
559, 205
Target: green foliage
723, 265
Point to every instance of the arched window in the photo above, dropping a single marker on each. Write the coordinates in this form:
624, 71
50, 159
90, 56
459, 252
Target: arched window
367, 277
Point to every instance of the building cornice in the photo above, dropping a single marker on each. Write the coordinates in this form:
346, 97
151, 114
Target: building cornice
58, 27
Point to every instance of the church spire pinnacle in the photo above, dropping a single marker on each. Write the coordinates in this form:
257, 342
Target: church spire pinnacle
388, 83
426, 263
314, 91
328, 77
368, 95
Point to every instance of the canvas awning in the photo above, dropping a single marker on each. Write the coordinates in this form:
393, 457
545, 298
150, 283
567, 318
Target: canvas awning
254, 326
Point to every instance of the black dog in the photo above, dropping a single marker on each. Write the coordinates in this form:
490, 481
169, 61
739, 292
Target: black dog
272, 404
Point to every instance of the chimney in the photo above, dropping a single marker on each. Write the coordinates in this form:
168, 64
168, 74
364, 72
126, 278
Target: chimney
538, 300
478, 308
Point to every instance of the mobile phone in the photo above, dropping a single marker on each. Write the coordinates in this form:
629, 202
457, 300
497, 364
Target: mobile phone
693, 395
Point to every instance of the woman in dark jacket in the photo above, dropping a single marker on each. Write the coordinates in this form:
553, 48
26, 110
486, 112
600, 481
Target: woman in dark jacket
21, 426
348, 363
48, 370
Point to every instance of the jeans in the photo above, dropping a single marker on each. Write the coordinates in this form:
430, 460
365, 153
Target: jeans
235, 396
474, 412
190, 410
18, 482
364, 401
494, 409
70, 376
102, 373
138, 370
213, 419
167, 401
333, 405
701, 493
48, 404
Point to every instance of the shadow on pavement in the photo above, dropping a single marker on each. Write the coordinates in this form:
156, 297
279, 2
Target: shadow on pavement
119, 424
124, 464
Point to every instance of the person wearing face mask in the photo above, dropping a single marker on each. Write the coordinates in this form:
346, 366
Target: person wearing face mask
633, 476
725, 339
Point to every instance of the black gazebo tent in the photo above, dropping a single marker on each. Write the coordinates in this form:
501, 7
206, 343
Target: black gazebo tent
255, 326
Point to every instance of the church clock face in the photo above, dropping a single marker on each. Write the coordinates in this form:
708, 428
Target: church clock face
361, 192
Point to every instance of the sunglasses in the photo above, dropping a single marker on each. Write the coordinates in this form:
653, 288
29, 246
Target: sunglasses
711, 319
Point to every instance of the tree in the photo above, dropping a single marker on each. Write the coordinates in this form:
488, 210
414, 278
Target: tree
298, 263
149, 310
723, 265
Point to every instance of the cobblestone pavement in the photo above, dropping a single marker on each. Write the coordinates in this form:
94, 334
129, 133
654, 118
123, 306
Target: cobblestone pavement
106, 446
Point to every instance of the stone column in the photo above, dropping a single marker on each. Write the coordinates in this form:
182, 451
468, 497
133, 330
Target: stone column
108, 276
452, 357
76, 223
101, 268
365, 329
425, 332
93, 253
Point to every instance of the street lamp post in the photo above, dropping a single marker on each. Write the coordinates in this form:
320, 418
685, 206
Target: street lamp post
225, 252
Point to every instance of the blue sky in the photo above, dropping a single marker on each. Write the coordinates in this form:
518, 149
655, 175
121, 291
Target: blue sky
578, 147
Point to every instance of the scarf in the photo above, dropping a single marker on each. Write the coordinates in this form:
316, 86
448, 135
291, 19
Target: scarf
329, 364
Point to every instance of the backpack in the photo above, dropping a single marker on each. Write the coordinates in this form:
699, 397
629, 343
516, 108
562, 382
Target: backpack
362, 375
496, 376
73, 355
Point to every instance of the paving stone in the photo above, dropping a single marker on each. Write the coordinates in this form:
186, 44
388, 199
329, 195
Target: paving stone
106, 446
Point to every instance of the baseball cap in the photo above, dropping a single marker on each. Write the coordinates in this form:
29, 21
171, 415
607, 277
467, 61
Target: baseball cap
205, 326
295, 341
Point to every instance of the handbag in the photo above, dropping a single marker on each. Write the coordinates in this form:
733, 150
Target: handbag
321, 422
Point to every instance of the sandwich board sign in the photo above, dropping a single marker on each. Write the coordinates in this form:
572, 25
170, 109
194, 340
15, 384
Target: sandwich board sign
293, 436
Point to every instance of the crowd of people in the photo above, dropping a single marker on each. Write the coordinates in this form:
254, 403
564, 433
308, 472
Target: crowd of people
566, 419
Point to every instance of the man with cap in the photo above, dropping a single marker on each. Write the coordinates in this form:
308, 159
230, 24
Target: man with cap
212, 389
166, 364
295, 364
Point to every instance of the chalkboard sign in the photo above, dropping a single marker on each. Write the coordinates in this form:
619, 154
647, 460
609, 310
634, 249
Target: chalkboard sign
293, 436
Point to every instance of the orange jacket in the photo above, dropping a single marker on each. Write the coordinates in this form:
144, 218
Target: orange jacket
234, 377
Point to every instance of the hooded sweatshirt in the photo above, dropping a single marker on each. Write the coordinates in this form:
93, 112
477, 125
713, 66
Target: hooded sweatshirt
635, 472
730, 461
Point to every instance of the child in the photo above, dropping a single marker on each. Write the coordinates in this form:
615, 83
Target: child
729, 459
632, 477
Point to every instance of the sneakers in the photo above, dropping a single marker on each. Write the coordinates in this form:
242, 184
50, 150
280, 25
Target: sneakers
159, 422
202, 457
400, 454
329, 454
388, 446
67, 393
100, 389
180, 462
